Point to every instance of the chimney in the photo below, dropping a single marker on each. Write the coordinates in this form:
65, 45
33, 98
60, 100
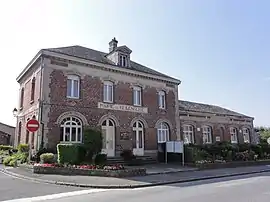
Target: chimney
112, 44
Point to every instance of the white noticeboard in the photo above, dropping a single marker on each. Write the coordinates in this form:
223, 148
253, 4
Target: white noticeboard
178, 147
170, 146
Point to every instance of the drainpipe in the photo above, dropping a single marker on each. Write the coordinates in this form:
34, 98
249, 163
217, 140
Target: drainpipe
40, 111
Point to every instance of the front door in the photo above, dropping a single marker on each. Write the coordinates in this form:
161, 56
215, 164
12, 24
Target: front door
108, 138
138, 135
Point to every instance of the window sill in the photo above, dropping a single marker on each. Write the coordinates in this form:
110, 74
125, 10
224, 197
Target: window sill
106, 101
75, 98
135, 105
69, 142
21, 108
162, 108
32, 101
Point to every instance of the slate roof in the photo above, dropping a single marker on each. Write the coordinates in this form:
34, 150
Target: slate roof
206, 108
98, 56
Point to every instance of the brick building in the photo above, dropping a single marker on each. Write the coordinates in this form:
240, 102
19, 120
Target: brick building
69, 88
72, 87
203, 123
7, 134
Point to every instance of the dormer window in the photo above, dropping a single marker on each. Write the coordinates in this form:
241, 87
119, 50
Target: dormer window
123, 60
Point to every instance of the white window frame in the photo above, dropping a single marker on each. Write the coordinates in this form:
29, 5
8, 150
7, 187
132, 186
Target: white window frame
107, 95
207, 134
188, 134
233, 133
123, 60
71, 123
73, 78
163, 132
137, 96
161, 100
246, 135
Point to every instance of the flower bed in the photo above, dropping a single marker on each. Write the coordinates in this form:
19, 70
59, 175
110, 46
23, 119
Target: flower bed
223, 164
88, 170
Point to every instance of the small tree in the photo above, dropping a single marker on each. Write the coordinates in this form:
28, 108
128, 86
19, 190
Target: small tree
92, 142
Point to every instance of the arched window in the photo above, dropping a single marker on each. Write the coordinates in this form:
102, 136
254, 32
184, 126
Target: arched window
21, 98
207, 134
71, 130
19, 133
233, 133
246, 135
188, 134
33, 86
163, 132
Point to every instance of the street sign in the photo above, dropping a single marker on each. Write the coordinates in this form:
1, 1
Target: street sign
32, 125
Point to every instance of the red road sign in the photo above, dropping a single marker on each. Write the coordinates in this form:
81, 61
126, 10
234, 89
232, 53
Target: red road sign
32, 125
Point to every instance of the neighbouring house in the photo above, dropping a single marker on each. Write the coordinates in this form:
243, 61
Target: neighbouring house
7, 134
70, 88
204, 124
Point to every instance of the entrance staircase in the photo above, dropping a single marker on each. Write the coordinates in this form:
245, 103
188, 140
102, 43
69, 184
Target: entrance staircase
140, 160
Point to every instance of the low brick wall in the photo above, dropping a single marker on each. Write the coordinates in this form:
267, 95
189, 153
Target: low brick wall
88, 172
232, 164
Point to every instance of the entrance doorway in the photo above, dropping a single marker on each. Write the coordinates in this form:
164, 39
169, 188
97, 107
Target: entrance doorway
138, 138
108, 137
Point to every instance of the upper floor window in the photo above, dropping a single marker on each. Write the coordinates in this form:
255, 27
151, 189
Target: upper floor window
73, 86
233, 133
246, 135
207, 134
137, 96
161, 100
21, 98
33, 86
188, 134
108, 91
123, 60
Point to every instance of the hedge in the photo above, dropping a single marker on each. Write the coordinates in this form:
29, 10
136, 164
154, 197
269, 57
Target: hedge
5, 147
70, 153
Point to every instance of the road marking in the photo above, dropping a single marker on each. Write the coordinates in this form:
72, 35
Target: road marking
239, 182
58, 196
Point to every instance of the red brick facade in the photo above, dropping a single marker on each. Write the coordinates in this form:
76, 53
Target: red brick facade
92, 92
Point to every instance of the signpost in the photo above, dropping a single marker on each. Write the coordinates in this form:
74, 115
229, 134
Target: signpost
175, 147
32, 125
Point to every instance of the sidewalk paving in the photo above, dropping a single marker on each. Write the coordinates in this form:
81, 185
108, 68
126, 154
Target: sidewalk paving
133, 182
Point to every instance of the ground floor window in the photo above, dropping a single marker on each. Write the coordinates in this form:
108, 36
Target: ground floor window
71, 130
163, 132
246, 136
233, 133
188, 134
207, 135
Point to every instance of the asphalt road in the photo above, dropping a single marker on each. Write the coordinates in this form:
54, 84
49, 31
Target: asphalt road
252, 188
12, 188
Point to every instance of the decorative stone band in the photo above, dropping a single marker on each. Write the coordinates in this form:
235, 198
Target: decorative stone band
89, 172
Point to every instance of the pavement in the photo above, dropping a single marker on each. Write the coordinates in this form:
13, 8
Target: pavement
132, 182
248, 188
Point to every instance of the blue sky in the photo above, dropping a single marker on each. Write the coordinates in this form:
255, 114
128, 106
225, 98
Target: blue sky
219, 49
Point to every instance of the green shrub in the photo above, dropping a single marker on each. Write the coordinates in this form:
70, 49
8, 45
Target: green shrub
47, 158
101, 159
92, 142
7, 160
5, 147
69, 153
127, 155
23, 148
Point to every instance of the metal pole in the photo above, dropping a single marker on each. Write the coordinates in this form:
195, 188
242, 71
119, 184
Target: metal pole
183, 156
166, 154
